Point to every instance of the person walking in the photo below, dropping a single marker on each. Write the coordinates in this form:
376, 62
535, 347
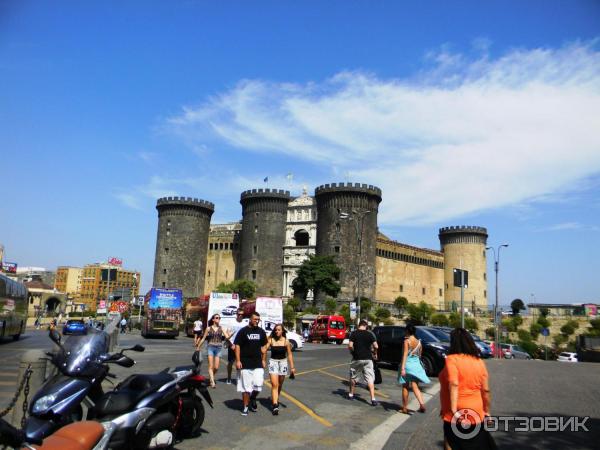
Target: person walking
465, 395
215, 335
250, 360
411, 370
281, 354
363, 347
123, 325
197, 331
239, 324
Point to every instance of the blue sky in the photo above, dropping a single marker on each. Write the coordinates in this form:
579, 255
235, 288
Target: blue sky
479, 113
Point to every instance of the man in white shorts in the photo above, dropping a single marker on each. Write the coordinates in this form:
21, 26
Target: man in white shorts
250, 360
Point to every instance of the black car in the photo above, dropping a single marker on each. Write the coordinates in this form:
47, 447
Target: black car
390, 340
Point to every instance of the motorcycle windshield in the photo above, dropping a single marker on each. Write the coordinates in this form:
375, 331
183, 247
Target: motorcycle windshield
81, 356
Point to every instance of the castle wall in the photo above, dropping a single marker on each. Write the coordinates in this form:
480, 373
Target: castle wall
347, 214
464, 246
264, 213
181, 244
222, 262
414, 273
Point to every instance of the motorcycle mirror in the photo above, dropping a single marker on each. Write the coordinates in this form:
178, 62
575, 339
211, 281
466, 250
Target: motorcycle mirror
54, 336
125, 361
138, 348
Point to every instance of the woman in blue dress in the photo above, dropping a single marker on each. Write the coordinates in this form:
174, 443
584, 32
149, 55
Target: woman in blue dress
411, 370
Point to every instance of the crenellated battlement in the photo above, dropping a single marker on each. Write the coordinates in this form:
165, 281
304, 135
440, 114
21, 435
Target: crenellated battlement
184, 201
348, 187
266, 192
463, 229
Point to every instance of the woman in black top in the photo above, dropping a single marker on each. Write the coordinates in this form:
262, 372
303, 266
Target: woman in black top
281, 353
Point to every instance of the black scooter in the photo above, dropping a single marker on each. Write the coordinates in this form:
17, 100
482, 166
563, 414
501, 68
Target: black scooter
155, 410
82, 364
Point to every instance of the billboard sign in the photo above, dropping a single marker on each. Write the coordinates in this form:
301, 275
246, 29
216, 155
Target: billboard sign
165, 298
353, 310
121, 307
224, 304
115, 261
270, 310
9, 267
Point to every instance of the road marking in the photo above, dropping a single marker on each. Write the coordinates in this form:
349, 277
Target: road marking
8, 383
378, 436
321, 368
8, 374
304, 408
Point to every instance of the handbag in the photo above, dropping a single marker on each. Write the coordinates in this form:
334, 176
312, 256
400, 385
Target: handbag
378, 377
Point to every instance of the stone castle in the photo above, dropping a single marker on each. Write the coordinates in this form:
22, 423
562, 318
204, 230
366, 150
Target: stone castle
278, 232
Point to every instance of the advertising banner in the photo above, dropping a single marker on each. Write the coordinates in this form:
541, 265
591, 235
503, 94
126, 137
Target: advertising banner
353, 310
165, 298
9, 267
224, 304
270, 310
121, 307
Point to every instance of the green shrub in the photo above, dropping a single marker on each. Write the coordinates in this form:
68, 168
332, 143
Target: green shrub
439, 320
454, 320
543, 321
330, 306
524, 336
382, 313
420, 313
535, 329
559, 340
573, 323
471, 324
567, 329
530, 347
490, 332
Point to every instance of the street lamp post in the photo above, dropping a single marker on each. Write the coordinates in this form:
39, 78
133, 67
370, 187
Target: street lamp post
358, 215
496, 321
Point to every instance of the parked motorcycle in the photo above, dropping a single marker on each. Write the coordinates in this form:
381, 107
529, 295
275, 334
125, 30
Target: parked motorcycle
82, 363
86, 435
155, 410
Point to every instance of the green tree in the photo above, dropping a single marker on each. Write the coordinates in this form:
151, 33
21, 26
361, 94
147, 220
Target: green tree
490, 332
544, 312
245, 288
530, 347
382, 313
345, 312
420, 313
516, 322
223, 287
439, 320
330, 306
289, 316
594, 327
535, 329
294, 303
517, 306
573, 323
454, 320
400, 303
543, 321
319, 274
471, 324
524, 335
311, 310
567, 329
365, 306
560, 339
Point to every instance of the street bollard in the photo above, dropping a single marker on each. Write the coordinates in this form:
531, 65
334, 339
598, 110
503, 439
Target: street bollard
35, 358
113, 340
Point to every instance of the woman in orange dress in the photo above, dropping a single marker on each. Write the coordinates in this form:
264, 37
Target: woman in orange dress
465, 395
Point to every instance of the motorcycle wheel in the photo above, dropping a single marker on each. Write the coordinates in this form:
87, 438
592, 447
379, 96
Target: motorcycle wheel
194, 420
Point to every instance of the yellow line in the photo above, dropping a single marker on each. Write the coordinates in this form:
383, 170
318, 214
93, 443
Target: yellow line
304, 408
321, 368
381, 394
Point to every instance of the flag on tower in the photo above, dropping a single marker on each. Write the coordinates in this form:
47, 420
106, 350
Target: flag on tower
266, 179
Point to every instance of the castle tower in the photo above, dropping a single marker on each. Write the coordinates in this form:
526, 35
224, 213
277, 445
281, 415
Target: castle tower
346, 217
464, 247
264, 213
181, 244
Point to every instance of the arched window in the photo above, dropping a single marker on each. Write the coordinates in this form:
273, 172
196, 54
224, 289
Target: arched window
302, 238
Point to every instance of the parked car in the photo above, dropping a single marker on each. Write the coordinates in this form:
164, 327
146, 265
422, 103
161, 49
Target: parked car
328, 328
568, 357
484, 348
512, 351
229, 310
390, 340
75, 326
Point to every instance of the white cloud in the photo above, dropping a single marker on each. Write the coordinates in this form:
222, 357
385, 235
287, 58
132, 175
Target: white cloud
458, 138
570, 226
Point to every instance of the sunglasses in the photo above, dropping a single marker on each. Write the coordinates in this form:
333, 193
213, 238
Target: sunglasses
215, 318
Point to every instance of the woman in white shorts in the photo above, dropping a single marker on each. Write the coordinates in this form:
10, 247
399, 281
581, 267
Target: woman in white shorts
281, 353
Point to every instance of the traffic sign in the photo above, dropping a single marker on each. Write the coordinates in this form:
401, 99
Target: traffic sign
457, 278
545, 332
